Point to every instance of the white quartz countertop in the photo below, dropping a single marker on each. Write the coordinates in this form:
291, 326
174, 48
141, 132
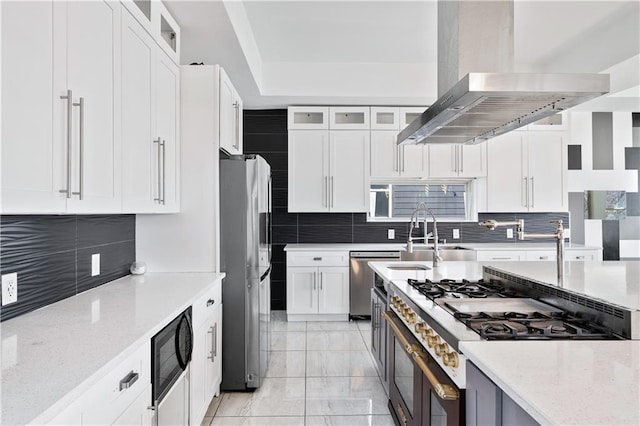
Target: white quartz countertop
53, 355
402, 245
565, 382
616, 282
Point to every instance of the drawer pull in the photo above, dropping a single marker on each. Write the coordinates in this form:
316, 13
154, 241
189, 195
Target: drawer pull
210, 302
544, 257
129, 380
579, 257
501, 258
317, 258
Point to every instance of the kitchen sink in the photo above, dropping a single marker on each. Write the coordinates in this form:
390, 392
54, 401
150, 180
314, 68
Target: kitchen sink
447, 253
408, 268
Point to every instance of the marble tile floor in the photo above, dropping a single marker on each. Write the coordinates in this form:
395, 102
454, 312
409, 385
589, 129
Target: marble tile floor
319, 374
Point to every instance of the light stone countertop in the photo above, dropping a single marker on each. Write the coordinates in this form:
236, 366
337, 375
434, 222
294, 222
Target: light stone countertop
570, 382
53, 355
616, 282
397, 246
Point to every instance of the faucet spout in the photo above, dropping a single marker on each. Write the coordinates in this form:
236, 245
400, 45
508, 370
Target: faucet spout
422, 207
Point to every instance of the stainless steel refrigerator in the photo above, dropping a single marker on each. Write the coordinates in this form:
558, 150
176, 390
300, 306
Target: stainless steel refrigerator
245, 255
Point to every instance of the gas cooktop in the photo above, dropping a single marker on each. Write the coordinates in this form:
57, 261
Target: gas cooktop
496, 312
459, 289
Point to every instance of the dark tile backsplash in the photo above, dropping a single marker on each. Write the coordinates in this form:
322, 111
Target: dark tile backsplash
265, 133
52, 255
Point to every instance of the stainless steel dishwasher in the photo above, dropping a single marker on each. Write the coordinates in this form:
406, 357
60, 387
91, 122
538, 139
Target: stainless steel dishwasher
361, 280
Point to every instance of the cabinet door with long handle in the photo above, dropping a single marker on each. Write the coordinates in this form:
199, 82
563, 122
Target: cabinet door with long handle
91, 35
34, 144
349, 171
167, 127
309, 177
547, 177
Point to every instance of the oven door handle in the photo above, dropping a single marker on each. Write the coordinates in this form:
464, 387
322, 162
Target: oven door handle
444, 391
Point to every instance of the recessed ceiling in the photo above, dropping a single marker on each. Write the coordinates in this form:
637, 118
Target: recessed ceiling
281, 53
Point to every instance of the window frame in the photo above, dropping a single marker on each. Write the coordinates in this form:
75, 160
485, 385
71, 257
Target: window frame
471, 210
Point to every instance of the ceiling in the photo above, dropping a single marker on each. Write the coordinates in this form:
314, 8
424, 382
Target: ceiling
370, 52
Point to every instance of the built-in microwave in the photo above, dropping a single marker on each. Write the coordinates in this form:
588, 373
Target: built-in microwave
171, 350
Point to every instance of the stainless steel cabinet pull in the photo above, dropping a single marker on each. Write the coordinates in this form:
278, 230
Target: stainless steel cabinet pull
332, 193
236, 105
533, 193
314, 280
320, 280
215, 340
461, 159
454, 160
80, 192
501, 258
579, 257
210, 302
526, 192
129, 380
325, 196
157, 141
163, 145
69, 98
317, 258
212, 331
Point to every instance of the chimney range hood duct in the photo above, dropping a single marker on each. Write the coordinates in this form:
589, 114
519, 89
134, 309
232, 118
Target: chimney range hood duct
483, 105
479, 96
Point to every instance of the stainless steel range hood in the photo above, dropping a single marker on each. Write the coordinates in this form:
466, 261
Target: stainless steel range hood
483, 105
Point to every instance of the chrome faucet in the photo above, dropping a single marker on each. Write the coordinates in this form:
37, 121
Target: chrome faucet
422, 207
558, 235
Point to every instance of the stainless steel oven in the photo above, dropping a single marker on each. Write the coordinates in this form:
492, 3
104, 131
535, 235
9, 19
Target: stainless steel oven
171, 350
420, 392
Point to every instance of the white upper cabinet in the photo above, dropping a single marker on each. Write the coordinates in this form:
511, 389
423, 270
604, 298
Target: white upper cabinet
308, 118
447, 161
388, 159
60, 107
230, 116
349, 118
328, 171
139, 160
385, 118
33, 160
308, 171
408, 114
165, 30
349, 171
526, 172
150, 99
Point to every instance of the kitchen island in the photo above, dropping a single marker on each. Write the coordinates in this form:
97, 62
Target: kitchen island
554, 381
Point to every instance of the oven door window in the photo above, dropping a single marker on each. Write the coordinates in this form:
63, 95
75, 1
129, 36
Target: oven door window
403, 375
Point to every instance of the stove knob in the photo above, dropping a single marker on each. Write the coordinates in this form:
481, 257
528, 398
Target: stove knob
407, 310
451, 359
420, 327
433, 341
426, 334
411, 317
441, 349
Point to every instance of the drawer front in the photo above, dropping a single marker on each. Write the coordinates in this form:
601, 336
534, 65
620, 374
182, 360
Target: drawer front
484, 255
541, 255
111, 396
318, 258
206, 304
580, 255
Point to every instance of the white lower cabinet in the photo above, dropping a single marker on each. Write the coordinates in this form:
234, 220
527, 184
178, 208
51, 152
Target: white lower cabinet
484, 255
117, 394
138, 413
538, 255
317, 286
206, 364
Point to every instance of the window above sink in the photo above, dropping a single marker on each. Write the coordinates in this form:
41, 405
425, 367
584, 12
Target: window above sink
449, 200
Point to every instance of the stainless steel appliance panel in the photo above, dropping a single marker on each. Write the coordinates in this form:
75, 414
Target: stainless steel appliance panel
362, 278
245, 257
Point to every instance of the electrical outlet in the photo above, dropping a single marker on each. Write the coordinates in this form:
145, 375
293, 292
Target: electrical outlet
95, 264
391, 234
456, 234
9, 288
509, 233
